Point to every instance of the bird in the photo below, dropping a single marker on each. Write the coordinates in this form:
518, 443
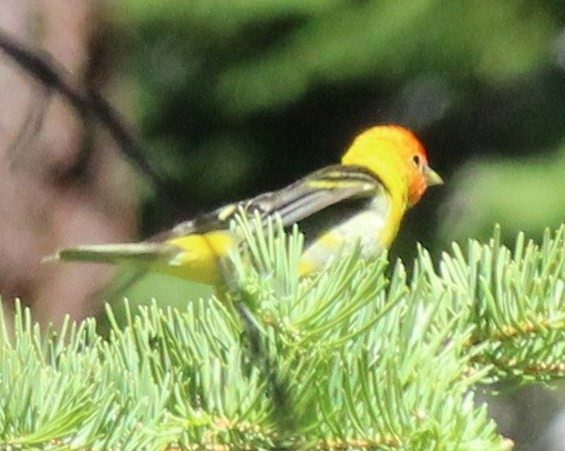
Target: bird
360, 201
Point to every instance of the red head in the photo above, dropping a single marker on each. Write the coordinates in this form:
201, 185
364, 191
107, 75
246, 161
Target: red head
397, 157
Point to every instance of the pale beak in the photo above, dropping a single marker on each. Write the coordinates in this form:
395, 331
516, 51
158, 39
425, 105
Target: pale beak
432, 177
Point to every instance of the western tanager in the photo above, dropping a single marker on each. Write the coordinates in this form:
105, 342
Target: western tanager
383, 173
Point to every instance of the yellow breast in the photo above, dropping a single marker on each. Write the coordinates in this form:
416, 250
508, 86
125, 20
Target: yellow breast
373, 228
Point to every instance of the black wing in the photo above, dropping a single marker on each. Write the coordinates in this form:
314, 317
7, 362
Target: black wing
294, 203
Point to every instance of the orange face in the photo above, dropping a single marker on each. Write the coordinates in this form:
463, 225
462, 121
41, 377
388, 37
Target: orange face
397, 157
415, 160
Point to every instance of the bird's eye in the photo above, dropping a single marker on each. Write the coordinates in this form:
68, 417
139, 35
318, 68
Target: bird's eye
416, 160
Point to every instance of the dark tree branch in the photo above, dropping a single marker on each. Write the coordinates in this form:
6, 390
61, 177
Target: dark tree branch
87, 101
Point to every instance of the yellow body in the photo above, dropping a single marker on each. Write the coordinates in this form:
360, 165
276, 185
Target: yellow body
200, 256
382, 174
373, 228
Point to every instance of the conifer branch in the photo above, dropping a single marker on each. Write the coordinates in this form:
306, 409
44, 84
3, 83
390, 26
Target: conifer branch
365, 360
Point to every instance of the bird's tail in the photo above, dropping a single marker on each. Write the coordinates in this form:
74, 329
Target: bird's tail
115, 253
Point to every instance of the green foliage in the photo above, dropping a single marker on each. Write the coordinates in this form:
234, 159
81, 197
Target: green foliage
526, 193
332, 41
349, 358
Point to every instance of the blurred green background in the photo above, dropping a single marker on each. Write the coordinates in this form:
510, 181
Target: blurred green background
235, 98
238, 97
